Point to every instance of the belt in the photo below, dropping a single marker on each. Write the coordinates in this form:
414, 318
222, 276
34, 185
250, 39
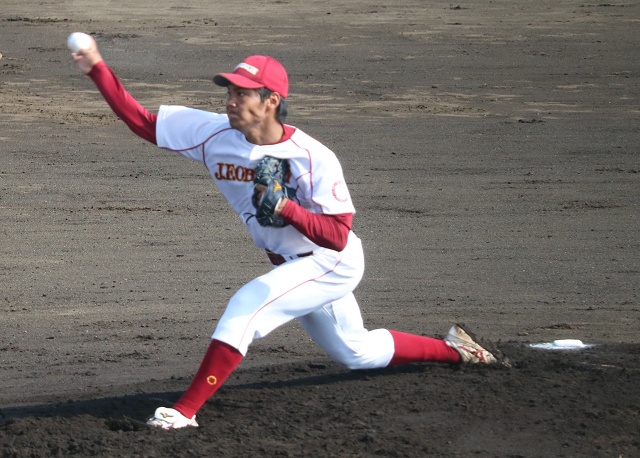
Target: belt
277, 259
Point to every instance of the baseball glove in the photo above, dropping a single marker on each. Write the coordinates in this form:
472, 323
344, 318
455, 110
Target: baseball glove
269, 189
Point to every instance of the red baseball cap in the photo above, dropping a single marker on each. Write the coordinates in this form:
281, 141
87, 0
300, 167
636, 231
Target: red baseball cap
255, 72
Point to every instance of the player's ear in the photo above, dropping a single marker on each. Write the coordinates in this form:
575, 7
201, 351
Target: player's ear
274, 99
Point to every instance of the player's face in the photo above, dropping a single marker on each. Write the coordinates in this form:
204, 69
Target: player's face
245, 108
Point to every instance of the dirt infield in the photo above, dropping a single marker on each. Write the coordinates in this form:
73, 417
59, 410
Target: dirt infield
492, 154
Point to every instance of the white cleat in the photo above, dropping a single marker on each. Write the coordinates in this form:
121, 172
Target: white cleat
470, 351
167, 418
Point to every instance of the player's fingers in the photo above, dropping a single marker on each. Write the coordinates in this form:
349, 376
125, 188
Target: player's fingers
81, 62
258, 194
85, 59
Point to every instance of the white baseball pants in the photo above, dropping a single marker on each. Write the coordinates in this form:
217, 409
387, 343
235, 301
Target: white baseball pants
317, 290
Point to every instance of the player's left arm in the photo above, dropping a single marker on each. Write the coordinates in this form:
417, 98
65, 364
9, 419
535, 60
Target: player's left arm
327, 231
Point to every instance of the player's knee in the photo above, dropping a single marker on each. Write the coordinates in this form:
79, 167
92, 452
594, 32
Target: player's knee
356, 361
367, 354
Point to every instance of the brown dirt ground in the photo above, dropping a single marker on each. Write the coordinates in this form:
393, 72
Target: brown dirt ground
491, 150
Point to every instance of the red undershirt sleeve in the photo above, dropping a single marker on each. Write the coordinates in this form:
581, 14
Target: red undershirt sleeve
327, 231
135, 116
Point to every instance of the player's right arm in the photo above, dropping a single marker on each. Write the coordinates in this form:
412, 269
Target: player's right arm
134, 115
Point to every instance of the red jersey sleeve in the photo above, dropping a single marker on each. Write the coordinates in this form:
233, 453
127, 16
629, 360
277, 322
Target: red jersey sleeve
327, 231
135, 116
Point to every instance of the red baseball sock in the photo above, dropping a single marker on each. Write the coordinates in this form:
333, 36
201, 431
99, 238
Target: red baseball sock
218, 363
410, 348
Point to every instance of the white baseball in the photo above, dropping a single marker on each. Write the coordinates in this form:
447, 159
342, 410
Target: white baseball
78, 41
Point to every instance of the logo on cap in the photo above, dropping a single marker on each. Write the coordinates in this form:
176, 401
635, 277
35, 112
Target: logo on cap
250, 68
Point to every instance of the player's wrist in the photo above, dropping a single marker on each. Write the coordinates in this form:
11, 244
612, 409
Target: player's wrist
280, 206
91, 66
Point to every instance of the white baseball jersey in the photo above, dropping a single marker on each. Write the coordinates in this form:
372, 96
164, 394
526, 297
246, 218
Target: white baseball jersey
316, 289
316, 173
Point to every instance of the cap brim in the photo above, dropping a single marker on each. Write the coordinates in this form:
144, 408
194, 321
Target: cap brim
224, 79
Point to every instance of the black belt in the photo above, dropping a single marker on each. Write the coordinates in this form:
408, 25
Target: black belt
277, 259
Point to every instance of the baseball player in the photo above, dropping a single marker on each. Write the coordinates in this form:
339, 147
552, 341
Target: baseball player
290, 193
